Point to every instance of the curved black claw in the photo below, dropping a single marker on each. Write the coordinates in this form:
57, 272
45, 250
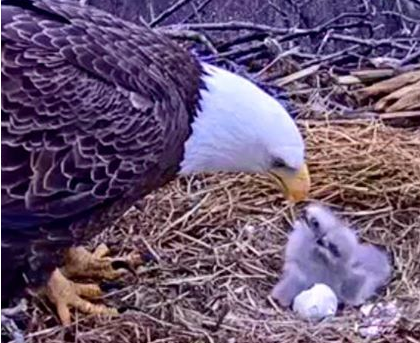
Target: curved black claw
107, 286
148, 257
125, 308
121, 264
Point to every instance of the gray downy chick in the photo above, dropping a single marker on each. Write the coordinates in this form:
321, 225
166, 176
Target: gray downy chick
370, 270
323, 249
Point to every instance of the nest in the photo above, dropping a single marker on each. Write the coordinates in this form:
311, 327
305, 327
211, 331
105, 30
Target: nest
218, 242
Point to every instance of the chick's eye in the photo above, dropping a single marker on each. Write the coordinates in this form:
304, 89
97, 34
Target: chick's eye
314, 223
334, 250
278, 163
320, 241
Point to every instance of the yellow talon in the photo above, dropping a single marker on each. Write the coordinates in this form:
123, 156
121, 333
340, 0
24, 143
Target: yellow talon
80, 263
65, 294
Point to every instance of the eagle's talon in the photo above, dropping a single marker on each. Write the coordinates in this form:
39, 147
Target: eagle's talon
65, 294
101, 251
81, 263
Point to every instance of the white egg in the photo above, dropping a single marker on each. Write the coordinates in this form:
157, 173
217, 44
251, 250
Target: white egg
316, 303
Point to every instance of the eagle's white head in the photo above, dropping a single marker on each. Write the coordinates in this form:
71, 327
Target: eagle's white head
240, 128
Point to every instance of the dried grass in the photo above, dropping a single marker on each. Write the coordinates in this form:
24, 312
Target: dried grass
218, 243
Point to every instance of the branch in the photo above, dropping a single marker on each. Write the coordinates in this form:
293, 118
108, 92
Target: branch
165, 14
239, 52
247, 38
334, 57
243, 25
411, 57
401, 16
393, 43
190, 35
231, 26
200, 8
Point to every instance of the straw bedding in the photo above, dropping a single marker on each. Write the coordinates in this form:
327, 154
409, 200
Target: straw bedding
217, 244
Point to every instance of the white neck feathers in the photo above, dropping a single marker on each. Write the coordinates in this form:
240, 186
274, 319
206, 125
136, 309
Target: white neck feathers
239, 128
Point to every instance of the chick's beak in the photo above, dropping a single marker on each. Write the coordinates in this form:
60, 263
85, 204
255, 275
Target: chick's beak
295, 184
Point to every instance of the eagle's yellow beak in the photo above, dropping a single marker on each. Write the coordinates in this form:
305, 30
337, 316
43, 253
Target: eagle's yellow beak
294, 184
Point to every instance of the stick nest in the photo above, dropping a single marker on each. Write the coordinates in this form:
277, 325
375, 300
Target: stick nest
218, 244
218, 241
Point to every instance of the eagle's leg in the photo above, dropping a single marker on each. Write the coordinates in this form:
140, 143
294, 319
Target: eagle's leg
65, 294
80, 263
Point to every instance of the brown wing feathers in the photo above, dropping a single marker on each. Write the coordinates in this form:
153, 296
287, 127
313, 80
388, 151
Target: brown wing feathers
89, 106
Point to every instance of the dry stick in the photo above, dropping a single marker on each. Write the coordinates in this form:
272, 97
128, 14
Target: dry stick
278, 10
165, 14
399, 115
275, 60
401, 16
258, 55
232, 25
151, 10
319, 29
345, 15
258, 48
410, 57
246, 38
239, 52
331, 57
243, 25
200, 8
297, 75
371, 42
183, 217
195, 12
190, 35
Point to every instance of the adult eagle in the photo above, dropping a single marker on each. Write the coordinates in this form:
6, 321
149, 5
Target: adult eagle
98, 112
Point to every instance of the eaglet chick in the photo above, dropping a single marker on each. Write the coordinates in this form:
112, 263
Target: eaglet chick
323, 249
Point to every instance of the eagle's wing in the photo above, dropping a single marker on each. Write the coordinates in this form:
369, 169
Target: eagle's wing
92, 108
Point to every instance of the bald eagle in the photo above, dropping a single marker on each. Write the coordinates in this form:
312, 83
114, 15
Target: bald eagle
98, 112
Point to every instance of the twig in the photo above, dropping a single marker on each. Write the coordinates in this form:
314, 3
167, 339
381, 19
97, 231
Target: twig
243, 25
331, 57
280, 11
199, 8
298, 75
190, 35
255, 56
318, 30
195, 12
239, 52
151, 10
344, 16
401, 16
409, 58
371, 42
400, 115
232, 25
277, 59
165, 14
249, 37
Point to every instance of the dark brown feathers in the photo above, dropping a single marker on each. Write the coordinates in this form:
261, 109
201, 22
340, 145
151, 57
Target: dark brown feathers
95, 111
